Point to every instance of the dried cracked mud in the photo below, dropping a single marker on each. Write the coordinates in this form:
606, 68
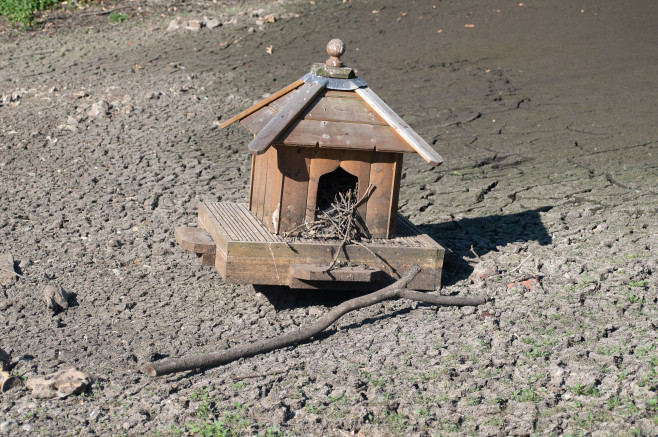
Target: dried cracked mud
545, 115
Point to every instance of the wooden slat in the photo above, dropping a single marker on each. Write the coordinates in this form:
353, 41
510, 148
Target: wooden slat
295, 187
251, 180
340, 109
409, 135
258, 120
317, 272
7, 271
340, 135
260, 194
194, 239
277, 104
342, 94
395, 196
382, 175
262, 103
284, 118
272, 201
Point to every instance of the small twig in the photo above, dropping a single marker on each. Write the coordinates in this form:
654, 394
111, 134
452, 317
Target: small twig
88, 14
13, 272
474, 253
514, 269
259, 375
390, 268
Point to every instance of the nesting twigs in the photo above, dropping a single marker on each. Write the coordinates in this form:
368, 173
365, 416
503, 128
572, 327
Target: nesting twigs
395, 290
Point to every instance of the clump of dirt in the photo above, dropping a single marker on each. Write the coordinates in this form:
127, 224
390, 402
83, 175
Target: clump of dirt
109, 140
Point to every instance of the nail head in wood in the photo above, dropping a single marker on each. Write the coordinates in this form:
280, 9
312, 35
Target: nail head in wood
335, 49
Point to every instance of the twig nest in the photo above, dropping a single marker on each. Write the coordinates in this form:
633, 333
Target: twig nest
56, 298
59, 384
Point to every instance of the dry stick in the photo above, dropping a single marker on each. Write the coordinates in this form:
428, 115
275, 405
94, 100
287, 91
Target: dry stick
397, 289
259, 375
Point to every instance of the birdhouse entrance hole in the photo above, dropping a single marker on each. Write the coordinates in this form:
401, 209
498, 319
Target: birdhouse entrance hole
332, 185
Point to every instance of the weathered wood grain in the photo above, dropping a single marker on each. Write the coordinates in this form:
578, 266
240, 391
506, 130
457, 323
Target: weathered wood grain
342, 135
194, 239
247, 253
295, 187
284, 118
341, 109
262, 103
318, 272
403, 129
273, 189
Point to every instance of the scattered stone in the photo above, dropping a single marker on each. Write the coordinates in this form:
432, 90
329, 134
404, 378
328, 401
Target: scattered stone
7, 272
99, 109
58, 384
483, 270
211, 23
193, 25
173, 25
484, 314
56, 298
7, 426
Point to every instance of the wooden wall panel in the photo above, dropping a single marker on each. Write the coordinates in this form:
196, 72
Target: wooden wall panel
273, 186
294, 163
382, 176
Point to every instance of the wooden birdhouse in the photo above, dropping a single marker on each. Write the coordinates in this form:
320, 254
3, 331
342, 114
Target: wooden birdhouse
324, 135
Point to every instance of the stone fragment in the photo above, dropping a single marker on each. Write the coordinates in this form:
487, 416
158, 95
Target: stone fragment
483, 270
211, 23
99, 109
7, 426
56, 298
173, 25
58, 384
193, 25
7, 272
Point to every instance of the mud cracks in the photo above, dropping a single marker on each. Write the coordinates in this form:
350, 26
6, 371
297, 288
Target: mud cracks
109, 140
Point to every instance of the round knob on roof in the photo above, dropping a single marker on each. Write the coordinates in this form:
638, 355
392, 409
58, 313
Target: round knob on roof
335, 48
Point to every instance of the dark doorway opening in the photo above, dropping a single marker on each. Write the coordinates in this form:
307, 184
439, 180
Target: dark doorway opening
332, 185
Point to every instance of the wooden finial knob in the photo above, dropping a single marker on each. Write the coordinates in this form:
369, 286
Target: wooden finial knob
335, 48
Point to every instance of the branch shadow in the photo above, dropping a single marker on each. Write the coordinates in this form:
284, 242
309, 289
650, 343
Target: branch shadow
485, 234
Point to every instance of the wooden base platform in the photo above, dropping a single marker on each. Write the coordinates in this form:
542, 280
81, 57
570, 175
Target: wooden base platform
245, 252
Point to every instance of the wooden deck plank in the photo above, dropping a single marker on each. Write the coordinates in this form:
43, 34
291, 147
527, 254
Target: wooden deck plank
261, 257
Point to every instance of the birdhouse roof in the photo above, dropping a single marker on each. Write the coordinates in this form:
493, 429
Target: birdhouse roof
330, 112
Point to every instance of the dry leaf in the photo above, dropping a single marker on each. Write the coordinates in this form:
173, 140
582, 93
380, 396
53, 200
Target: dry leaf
269, 50
404, 14
469, 25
